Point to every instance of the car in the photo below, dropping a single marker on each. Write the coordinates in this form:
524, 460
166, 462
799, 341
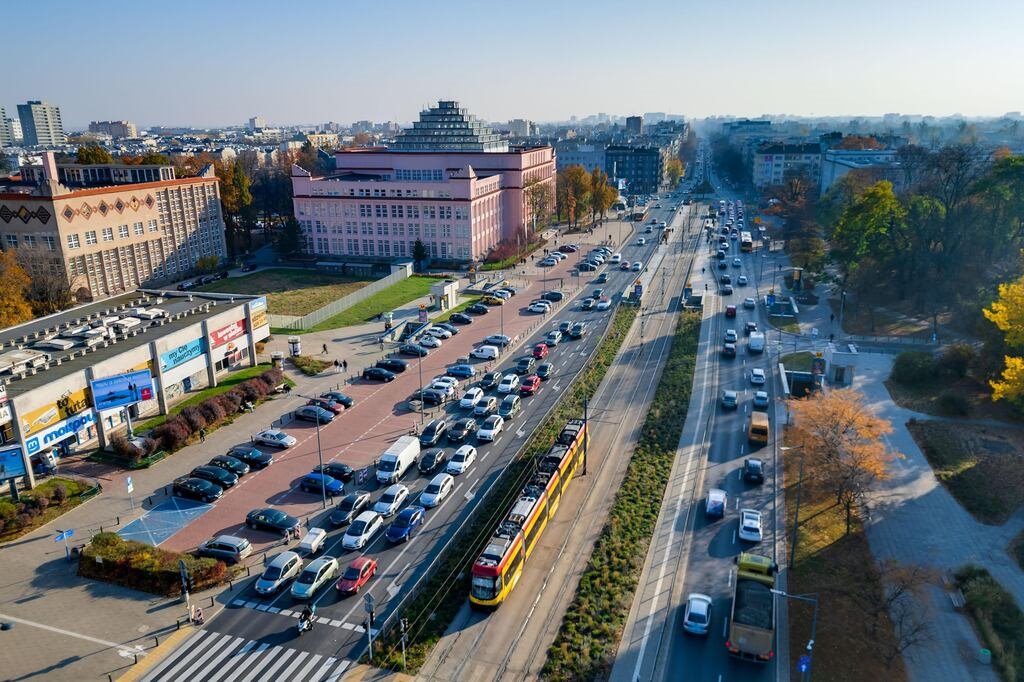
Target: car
545, 371
602, 278
761, 400
249, 267
640, 240
447, 381
461, 460
753, 470
749, 302
587, 266
437, 490
433, 396
315, 575
275, 437
228, 548
637, 266
315, 482
647, 230
727, 289
254, 457
604, 304
338, 470
737, 263
349, 508
597, 293
731, 336
509, 384
427, 341
578, 330
742, 280
749, 327
438, 332
313, 413
393, 365
717, 504
725, 279
499, 340
548, 262
223, 478
461, 318
452, 329
461, 430
485, 352
567, 248
414, 349
490, 380
757, 376
539, 308
462, 371
730, 311
524, 365
501, 293
356, 575
282, 568
231, 464
530, 385
477, 309
553, 296
406, 524
697, 616
722, 265
361, 531
565, 326
195, 488
341, 398
391, 500
616, 258
540, 351
431, 460
720, 255
378, 374
187, 286
494, 300
433, 431
552, 338
728, 350
750, 525
273, 520
730, 400
471, 397
490, 429
487, 406
588, 304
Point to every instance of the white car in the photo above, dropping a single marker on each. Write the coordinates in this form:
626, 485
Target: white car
750, 525
616, 258
439, 332
697, 618
638, 266
428, 341
757, 376
749, 302
742, 280
461, 460
559, 255
439, 488
501, 293
318, 573
362, 530
280, 570
447, 389
391, 501
539, 308
446, 379
604, 304
485, 352
641, 241
471, 398
276, 438
509, 383
487, 405
490, 429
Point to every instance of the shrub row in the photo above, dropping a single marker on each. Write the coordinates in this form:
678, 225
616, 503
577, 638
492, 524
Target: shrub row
27, 512
309, 366
506, 254
997, 617
914, 367
588, 639
111, 558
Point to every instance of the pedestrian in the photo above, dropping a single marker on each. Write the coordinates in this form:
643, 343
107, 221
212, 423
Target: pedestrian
202, 435
325, 349
831, 337
344, 365
337, 366
832, 317
381, 343
197, 616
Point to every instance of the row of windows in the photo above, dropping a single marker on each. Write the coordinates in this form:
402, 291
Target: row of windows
386, 229
396, 211
325, 189
30, 240
387, 249
420, 175
107, 234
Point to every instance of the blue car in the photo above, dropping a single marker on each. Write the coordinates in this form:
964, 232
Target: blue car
406, 524
462, 371
315, 483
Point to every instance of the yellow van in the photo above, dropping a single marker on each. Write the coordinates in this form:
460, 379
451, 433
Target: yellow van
758, 430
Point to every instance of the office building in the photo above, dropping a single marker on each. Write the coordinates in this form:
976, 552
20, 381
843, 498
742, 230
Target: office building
115, 129
635, 125
879, 164
578, 152
774, 161
114, 228
14, 126
519, 127
41, 124
640, 166
256, 123
6, 134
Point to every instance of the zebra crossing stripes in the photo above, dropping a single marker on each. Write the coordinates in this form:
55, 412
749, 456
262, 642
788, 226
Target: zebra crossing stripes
208, 656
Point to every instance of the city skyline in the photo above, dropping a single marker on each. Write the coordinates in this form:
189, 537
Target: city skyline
222, 66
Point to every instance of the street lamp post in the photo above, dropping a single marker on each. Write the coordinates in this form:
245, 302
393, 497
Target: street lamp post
842, 309
420, 364
796, 517
811, 597
319, 452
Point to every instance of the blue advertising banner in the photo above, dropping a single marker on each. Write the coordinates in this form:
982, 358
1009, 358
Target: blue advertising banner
182, 354
12, 463
121, 390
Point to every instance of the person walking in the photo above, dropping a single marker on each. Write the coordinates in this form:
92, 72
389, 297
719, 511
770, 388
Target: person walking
202, 435
325, 349
344, 365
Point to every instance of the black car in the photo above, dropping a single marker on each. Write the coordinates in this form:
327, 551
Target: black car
349, 508
312, 413
253, 456
722, 265
478, 309
271, 519
413, 349
553, 296
378, 374
725, 279
225, 479
395, 365
339, 397
490, 380
433, 431
197, 489
461, 430
228, 463
545, 370
249, 267
338, 470
432, 396
753, 470
461, 318
524, 365
450, 328
430, 460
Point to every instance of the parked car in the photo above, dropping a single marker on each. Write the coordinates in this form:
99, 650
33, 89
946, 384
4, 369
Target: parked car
338, 470
499, 340
282, 568
361, 531
228, 548
432, 459
378, 374
539, 308
276, 438
228, 463
391, 500
223, 478
425, 341
312, 413
414, 349
315, 575
356, 575
490, 429
477, 309
439, 488
349, 508
406, 524
341, 398
393, 365
553, 296
485, 352
461, 318
494, 300
439, 332
461, 460
273, 520
254, 457
195, 488
530, 385
321, 483
462, 371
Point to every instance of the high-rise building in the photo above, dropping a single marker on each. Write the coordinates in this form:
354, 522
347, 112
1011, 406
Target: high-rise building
449, 128
6, 135
635, 125
256, 123
640, 166
114, 227
41, 124
519, 127
14, 126
114, 128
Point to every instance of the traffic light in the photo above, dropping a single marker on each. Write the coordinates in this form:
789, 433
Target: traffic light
190, 582
373, 617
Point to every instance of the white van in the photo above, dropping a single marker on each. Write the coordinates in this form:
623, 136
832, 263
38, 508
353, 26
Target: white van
485, 353
616, 258
398, 459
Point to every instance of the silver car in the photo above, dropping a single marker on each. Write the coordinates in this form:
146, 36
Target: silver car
279, 571
318, 573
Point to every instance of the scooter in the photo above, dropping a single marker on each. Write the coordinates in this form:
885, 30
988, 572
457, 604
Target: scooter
306, 624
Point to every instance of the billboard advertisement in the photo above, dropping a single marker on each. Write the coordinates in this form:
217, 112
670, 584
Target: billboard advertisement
258, 312
180, 355
121, 390
44, 417
62, 430
219, 337
12, 463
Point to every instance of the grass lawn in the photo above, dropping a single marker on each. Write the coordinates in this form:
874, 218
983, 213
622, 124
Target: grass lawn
997, 618
798, 362
468, 301
45, 489
981, 466
836, 566
290, 292
225, 384
858, 320
924, 398
385, 300
786, 324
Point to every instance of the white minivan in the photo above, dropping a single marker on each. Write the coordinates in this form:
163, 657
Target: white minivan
616, 258
485, 353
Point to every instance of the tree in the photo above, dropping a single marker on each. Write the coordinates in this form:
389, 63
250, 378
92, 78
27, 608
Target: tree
50, 290
864, 226
147, 159
1007, 314
14, 309
573, 192
236, 200
419, 252
602, 195
538, 205
93, 153
674, 171
291, 239
207, 263
842, 442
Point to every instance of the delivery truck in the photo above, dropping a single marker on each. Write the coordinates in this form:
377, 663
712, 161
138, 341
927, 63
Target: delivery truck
399, 458
752, 625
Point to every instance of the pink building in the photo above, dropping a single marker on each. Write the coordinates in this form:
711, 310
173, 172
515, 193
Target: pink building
448, 182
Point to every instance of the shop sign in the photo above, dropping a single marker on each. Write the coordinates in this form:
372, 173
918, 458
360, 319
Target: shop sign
68, 405
60, 431
180, 355
221, 336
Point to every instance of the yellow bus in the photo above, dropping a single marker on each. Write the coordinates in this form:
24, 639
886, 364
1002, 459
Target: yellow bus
746, 242
758, 430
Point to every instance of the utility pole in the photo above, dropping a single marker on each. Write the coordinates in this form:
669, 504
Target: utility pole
319, 451
796, 517
403, 627
586, 435
368, 607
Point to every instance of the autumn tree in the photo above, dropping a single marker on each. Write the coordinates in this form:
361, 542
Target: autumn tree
674, 171
1007, 314
842, 444
236, 200
50, 290
207, 263
93, 153
602, 195
572, 192
147, 159
538, 205
14, 308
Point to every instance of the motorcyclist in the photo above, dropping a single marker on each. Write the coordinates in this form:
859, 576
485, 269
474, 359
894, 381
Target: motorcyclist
307, 615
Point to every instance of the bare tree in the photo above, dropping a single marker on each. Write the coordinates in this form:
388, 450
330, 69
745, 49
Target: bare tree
51, 290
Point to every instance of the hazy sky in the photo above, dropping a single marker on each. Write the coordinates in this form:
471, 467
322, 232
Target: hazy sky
213, 62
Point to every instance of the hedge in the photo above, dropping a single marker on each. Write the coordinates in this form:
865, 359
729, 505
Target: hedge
38, 506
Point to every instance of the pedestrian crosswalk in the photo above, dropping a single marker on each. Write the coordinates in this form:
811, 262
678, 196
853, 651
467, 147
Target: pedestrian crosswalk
209, 656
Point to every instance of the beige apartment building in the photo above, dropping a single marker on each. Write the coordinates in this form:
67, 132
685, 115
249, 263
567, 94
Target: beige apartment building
110, 232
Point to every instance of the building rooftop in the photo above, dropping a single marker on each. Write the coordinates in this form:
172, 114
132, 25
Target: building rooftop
449, 128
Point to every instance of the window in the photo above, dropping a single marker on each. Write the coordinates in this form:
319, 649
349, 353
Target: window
138, 229
12, 241
30, 240
108, 234
122, 231
50, 242
90, 237
73, 241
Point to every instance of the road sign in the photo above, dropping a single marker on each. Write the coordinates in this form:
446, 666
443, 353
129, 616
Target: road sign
770, 299
804, 664
64, 535
130, 484
369, 602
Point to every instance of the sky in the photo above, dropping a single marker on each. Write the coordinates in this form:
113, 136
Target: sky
210, 63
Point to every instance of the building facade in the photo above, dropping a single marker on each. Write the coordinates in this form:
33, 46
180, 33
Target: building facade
520, 127
115, 129
775, 160
880, 163
6, 134
256, 123
590, 155
114, 229
635, 125
41, 124
641, 167
440, 188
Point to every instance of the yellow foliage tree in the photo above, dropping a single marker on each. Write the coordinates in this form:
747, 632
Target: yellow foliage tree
1007, 313
674, 171
14, 309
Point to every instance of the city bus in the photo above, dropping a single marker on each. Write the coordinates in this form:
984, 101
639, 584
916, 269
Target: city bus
746, 242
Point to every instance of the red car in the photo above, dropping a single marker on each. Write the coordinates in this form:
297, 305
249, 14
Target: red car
356, 575
730, 311
530, 385
329, 405
540, 351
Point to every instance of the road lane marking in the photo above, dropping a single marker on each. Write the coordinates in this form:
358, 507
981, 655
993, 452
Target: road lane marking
123, 649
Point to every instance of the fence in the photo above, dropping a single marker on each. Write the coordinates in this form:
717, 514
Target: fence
334, 307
